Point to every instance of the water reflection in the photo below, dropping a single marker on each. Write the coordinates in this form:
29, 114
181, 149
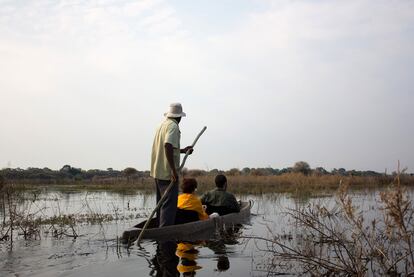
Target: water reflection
175, 258
188, 255
219, 247
165, 261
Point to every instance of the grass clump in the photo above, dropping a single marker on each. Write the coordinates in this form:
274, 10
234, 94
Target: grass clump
344, 241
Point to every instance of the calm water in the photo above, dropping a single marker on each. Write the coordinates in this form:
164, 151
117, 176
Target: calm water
96, 251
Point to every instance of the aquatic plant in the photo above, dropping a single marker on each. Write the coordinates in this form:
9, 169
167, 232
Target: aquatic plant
341, 241
24, 217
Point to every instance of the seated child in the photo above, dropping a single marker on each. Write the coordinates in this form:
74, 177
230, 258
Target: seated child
188, 201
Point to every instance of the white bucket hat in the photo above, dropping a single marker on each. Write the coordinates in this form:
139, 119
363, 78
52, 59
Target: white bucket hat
176, 110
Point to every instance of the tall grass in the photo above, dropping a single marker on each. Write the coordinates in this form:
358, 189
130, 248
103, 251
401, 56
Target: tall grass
298, 182
343, 241
240, 184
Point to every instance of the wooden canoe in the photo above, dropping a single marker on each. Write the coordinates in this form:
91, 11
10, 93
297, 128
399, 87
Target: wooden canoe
196, 230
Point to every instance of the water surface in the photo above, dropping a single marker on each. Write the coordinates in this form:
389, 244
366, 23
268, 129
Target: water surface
97, 251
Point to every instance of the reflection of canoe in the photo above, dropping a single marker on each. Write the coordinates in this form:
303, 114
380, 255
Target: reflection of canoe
193, 230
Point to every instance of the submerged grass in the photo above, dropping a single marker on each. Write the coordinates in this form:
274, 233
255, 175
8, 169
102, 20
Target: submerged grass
23, 215
344, 240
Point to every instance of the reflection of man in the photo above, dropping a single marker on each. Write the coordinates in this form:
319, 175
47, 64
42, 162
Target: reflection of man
166, 259
223, 263
219, 200
165, 161
219, 248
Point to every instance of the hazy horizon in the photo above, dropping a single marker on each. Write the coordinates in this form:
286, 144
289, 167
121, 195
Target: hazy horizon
86, 83
207, 170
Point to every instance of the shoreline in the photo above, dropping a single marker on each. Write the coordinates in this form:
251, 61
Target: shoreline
285, 183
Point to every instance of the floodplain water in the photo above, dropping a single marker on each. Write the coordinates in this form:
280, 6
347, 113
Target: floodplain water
97, 250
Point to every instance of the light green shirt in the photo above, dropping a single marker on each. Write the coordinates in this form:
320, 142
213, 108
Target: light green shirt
168, 132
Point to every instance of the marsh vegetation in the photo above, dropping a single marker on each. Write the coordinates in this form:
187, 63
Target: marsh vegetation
300, 178
312, 224
345, 240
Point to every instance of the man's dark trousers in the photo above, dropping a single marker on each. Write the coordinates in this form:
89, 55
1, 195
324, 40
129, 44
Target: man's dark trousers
166, 212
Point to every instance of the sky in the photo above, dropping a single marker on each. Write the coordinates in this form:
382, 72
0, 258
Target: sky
86, 83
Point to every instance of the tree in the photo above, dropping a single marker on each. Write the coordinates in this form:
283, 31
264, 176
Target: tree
245, 171
256, 172
340, 171
233, 172
320, 171
215, 171
195, 172
302, 167
1, 182
129, 172
73, 171
66, 168
285, 170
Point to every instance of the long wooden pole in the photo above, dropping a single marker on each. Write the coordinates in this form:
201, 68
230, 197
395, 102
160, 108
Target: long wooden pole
169, 187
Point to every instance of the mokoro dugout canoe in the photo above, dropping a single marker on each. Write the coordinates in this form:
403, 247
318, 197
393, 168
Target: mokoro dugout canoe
188, 231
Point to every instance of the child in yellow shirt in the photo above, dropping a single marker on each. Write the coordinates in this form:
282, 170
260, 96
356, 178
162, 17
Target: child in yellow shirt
189, 201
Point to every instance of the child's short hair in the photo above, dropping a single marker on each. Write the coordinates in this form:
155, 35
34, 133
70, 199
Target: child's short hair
189, 185
220, 180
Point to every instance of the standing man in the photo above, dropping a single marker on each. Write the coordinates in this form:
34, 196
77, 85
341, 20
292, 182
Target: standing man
165, 161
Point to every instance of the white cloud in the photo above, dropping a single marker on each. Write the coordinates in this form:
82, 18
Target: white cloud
300, 81
319, 77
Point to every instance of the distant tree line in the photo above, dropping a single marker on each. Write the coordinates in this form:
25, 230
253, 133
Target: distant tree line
299, 167
70, 174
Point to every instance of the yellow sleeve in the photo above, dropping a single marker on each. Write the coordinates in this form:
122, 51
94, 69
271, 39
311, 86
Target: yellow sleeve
181, 201
191, 202
198, 207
